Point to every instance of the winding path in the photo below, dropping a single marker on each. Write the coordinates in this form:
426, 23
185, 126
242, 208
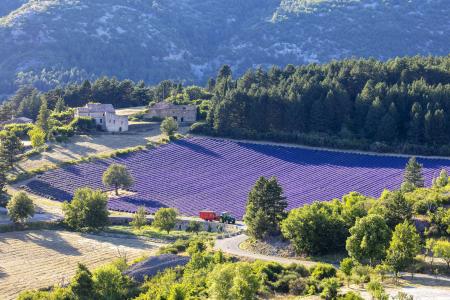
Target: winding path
231, 246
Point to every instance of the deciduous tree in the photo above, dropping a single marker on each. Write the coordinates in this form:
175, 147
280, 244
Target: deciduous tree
88, 209
20, 208
404, 246
315, 228
165, 219
369, 239
117, 176
442, 249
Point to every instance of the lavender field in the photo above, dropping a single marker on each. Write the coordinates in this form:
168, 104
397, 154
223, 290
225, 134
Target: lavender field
204, 173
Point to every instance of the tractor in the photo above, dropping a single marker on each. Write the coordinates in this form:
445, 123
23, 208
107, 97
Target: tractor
211, 216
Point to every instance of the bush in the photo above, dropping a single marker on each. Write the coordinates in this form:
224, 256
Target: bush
109, 283
194, 226
20, 130
233, 281
62, 133
322, 271
329, 288
169, 126
64, 117
298, 286
37, 137
88, 209
20, 208
139, 218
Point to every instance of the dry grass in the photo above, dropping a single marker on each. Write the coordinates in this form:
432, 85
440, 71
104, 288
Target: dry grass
86, 145
38, 259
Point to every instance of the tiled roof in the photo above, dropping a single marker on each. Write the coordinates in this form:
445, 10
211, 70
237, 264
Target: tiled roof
97, 107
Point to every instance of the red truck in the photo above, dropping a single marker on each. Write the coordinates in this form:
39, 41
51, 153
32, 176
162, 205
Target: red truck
211, 216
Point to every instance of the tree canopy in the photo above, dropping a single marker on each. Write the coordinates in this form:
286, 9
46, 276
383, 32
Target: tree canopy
117, 176
265, 208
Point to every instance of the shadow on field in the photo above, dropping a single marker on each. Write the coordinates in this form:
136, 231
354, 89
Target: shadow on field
440, 281
51, 240
2, 273
121, 240
197, 148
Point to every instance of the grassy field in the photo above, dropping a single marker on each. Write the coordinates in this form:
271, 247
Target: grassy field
38, 259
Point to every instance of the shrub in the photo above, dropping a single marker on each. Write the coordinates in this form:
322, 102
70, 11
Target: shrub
361, 274
194, 226
20, 208
322, 271
298, 286
350, 296
109, 283
83, 124
62, 133
282, 285
37, 137
169, 126
329, 288
64, 117
20, 130
139, 218
233, 281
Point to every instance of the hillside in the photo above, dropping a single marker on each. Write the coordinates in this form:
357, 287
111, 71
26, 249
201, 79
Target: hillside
53, 42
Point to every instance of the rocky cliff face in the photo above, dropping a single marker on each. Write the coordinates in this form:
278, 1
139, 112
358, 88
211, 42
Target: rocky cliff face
51, 42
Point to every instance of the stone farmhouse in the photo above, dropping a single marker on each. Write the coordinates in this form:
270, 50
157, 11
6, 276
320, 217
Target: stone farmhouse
105, 117
181, 113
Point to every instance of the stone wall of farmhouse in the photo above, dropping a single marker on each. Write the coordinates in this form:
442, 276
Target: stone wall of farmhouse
181, 115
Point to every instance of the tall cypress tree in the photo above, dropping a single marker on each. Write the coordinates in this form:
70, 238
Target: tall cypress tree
265, 208
10, 147
44, 115
413, 173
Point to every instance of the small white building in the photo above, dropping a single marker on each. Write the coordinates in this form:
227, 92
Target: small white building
181, 113
105, 117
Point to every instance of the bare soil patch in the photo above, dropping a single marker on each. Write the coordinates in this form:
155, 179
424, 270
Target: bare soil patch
274, 246
38, 259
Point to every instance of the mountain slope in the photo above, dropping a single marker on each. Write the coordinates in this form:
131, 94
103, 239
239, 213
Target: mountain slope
50, 42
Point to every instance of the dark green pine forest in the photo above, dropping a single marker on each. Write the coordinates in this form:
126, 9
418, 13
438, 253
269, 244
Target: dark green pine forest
401, 105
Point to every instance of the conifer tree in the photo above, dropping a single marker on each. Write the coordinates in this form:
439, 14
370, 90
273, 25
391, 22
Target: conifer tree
413, 173
265, 208
60, 106
44, 115
10, 147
